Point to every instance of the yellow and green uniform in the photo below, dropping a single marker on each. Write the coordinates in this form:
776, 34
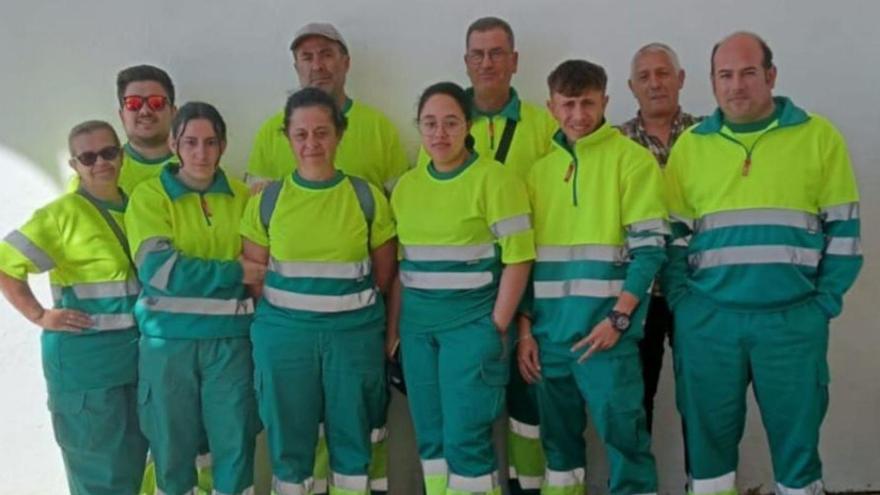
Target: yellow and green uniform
136, 168
196, 371
457, 230
766, 242
531, 139
321, 325
370, 149
600, 227
90, 374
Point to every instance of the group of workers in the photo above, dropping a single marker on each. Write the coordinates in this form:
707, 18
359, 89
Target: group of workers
532, 260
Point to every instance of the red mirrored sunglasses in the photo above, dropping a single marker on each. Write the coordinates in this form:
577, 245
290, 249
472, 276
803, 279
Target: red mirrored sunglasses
134, 103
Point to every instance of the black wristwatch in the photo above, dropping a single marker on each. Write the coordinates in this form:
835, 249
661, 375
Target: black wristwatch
619, 321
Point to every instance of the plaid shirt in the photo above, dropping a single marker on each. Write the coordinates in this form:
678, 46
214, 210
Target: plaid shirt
635, 130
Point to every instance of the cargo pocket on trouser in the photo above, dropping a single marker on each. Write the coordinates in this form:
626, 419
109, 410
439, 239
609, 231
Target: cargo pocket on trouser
70, 424
625, 428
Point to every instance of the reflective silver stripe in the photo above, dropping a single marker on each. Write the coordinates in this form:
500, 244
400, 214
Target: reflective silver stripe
647, 241
252, 180
200, 305
724, 483
583, 252
434, 467
510, 226
204, 461
320, 303
449, 253
193, 491
163, 274
247, 491
525, 482
378, 435
657, 225
353, 271
754, 255
112, 321
280, 487
379, 484
575, 477
445, 280
151, 245
759, 216
319, 486
29, 250
682, 241
848, 211
814, 488
389, 185
358, 483
582, 287
532, 432
96, 290
477, 484
844, 246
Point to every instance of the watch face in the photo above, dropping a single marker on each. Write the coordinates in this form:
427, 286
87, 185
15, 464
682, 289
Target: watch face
620, 321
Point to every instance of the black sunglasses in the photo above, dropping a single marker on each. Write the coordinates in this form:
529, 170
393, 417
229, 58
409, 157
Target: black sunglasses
89, 158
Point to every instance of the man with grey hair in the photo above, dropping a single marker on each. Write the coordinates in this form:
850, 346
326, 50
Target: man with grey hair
656, 78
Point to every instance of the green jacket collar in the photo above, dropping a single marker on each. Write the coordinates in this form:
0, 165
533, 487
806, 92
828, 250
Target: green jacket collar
107, 205
432, 170
175, 188
510, 111
317, 184
347, 105
789, 115
130, 151
604, 131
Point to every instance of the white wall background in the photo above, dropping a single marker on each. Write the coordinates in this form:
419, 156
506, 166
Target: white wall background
59, 61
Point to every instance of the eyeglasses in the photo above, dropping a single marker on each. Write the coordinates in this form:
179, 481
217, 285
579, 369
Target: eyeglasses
134, 103
450, 126
476, 57
89, 158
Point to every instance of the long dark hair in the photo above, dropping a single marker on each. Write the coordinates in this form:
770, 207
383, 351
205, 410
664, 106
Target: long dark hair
458, 94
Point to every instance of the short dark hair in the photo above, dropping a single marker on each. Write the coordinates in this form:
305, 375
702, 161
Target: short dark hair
455, 92
194, 110
314, 97
484, 24
89, 127
573, 77
766, 52
143, 73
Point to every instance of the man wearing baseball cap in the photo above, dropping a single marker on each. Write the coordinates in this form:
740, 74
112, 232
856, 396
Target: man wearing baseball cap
370, 148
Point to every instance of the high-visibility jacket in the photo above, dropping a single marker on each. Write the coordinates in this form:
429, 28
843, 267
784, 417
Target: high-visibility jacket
89, 271
600, 221
320, 273
765, 218
186, 247
532, 136
370, 148
457, 229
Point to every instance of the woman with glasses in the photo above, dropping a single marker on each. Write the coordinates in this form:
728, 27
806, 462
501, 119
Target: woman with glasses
89, 338
319, 329
467, 246
196, 371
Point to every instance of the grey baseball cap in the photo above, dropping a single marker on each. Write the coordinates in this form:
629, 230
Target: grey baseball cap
324, 29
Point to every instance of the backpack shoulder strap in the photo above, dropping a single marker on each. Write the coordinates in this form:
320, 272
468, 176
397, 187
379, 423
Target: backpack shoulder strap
268, 201
366, 202
506, 140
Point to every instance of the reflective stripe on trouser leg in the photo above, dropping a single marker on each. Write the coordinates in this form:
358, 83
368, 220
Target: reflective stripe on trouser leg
291, 415
355, 397
712, 374
486, 484
524, 453
790, 379
101, 444
563, 422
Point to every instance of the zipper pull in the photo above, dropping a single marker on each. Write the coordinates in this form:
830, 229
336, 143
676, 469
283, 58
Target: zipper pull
747, 164
569, 172
491, 133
